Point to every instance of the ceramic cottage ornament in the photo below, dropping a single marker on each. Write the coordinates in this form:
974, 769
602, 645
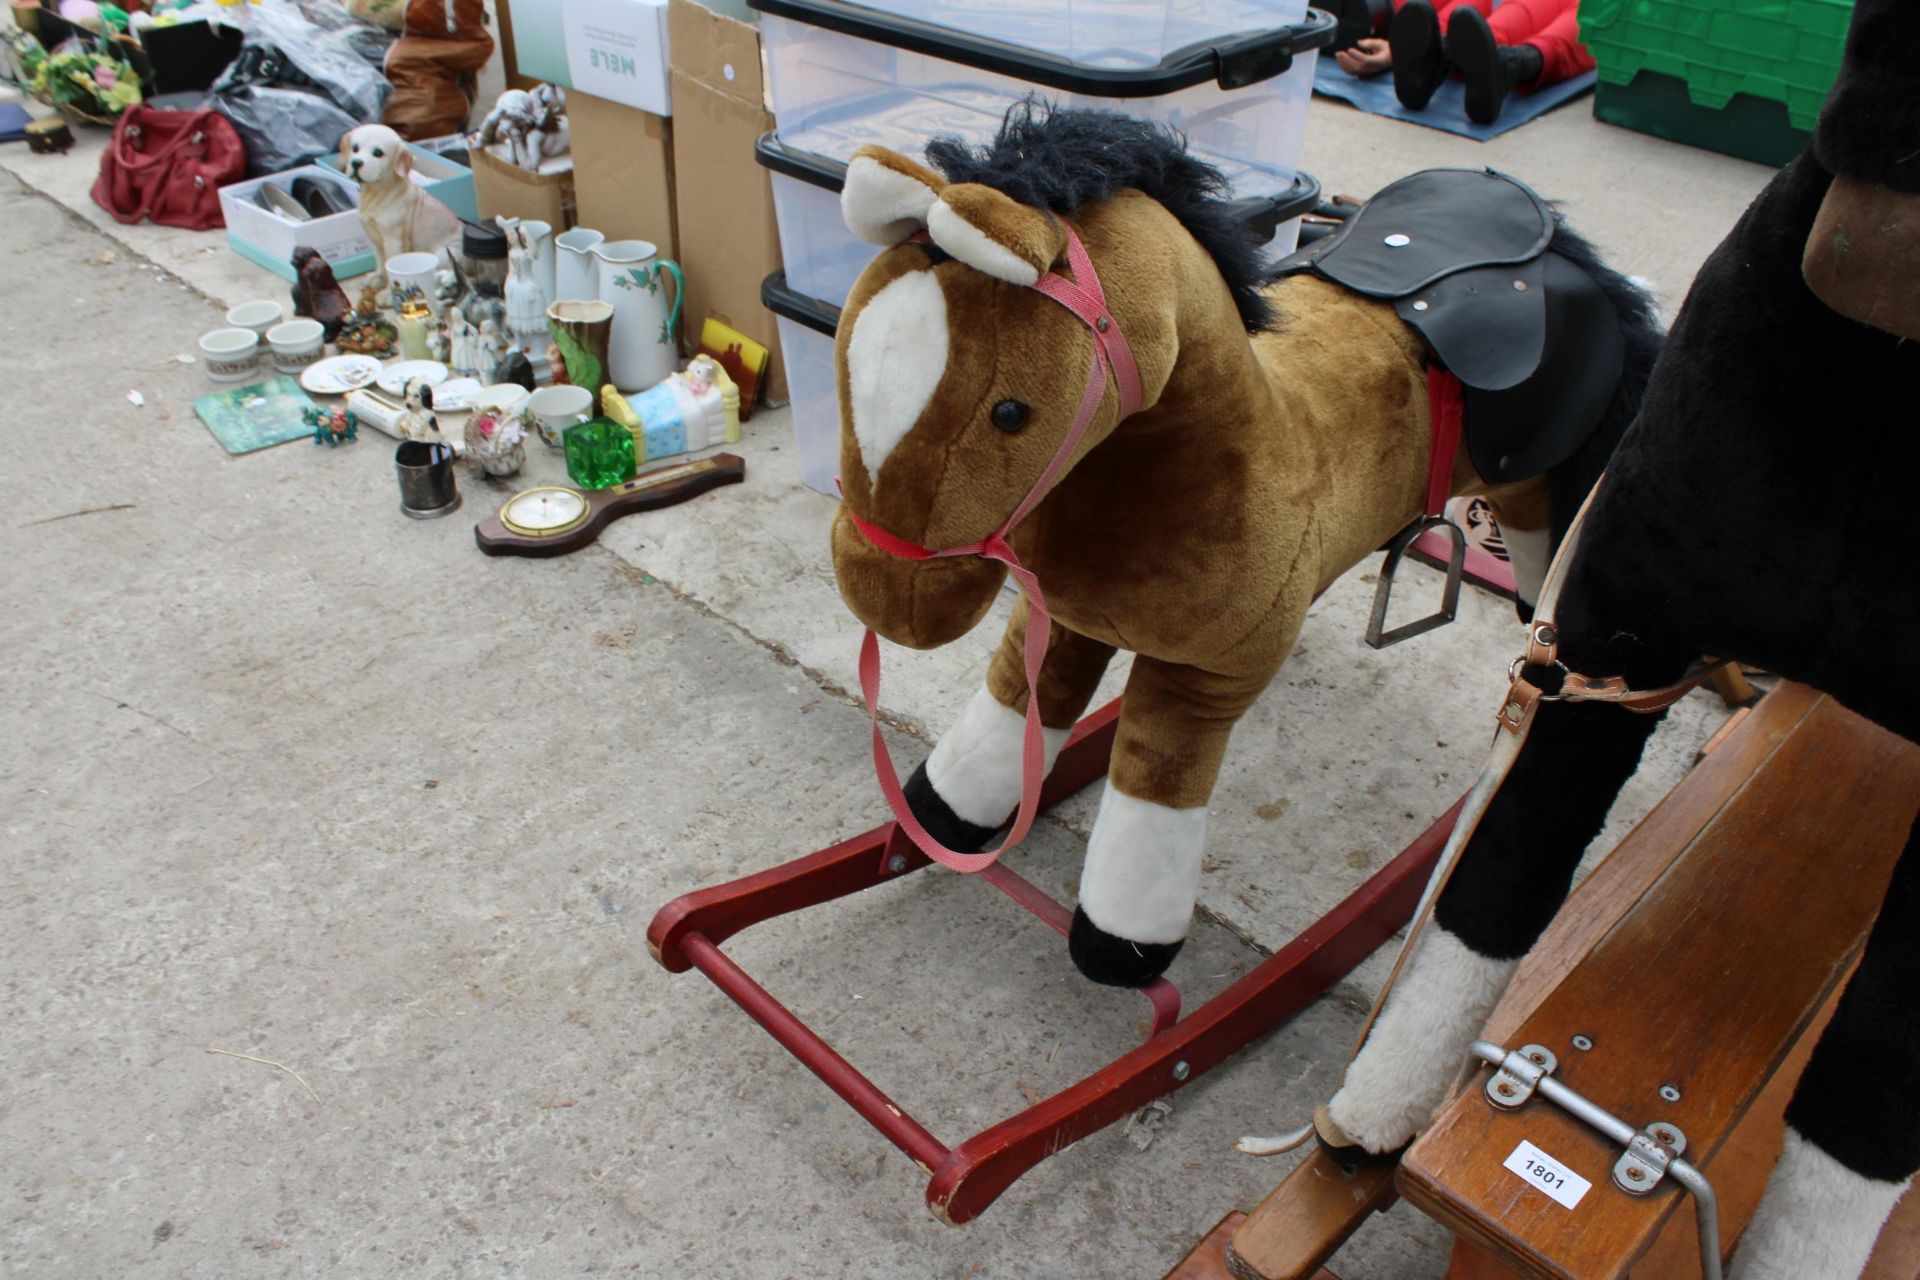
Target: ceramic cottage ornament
1065, 363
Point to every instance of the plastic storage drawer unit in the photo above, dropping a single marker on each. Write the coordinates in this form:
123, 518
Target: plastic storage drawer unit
823, 258
806, 340
843, 75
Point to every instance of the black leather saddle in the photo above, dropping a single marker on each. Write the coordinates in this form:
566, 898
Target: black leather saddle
1465, 257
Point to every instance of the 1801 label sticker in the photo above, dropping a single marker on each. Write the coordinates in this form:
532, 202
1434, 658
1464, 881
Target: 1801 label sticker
1543, 1173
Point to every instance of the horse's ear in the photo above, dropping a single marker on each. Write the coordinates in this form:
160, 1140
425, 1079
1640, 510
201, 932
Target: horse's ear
886, 196
992, 232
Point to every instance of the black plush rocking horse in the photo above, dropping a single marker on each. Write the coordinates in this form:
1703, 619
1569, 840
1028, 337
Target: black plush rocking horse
1759, 508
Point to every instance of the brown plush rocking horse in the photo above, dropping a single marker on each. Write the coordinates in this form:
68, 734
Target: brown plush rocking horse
1072, 363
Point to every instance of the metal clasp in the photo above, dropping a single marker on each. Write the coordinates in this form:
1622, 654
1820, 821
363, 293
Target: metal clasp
1519, 1074
1378, 636
1644, 1163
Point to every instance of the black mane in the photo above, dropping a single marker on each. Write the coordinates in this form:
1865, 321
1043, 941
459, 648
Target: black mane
1060, 160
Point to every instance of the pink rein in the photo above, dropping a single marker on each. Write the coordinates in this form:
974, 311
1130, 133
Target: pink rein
1111, 353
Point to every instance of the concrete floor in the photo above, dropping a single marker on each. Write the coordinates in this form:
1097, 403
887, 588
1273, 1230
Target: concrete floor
297, 778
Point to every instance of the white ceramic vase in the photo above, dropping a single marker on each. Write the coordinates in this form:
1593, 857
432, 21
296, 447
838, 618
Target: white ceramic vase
643, 348
576, 270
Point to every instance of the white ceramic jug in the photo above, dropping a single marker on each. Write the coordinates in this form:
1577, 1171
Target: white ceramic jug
643, 349
576, 270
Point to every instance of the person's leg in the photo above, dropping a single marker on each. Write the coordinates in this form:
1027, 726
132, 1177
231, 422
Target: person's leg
1552, 28
1526, 43
1419, 56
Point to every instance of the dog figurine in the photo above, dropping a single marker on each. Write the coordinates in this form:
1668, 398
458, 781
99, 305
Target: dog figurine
398, 216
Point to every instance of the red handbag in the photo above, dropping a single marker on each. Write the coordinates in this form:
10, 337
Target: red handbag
169, 166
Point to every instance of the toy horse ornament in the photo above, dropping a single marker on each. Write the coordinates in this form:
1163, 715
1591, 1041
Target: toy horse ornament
1070, 364
1685, 551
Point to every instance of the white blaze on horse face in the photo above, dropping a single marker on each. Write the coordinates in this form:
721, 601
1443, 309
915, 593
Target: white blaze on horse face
895, 360
1142, 872
1417, 1046
976, 766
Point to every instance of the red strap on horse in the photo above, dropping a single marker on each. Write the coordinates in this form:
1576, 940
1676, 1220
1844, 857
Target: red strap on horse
1084, 297
1446, 408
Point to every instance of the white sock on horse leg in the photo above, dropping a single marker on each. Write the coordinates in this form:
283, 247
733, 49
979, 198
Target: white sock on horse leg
1142, 872
975, 767
1418, 1044
1818, 1218
1527, 554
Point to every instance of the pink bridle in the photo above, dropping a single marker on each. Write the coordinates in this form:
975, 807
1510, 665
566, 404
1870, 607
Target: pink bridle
1083, 296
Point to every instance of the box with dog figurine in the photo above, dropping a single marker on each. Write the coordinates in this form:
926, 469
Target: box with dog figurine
268, 233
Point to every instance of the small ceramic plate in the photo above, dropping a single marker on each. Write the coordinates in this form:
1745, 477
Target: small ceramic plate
456, 395
394, 378
338, 375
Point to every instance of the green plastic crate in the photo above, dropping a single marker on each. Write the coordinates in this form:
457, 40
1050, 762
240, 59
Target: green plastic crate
1746, 77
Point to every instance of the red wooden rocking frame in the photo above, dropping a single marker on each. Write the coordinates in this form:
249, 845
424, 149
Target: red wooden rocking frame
965, 1179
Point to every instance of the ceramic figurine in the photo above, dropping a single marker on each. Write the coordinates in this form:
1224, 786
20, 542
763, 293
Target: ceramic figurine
527, 127
366, 333
490, 348
439, 347
526, 305
369, 303
496, 444
333, 426
515, 368
397, 216
447, 287
316, 293
417, 421
463, 344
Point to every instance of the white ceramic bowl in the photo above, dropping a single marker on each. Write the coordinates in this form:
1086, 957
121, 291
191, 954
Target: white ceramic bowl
296, 344
258, 316
231, 355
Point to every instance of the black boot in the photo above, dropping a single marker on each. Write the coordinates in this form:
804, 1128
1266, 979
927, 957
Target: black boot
1358, 19
1419, 57
1491, 70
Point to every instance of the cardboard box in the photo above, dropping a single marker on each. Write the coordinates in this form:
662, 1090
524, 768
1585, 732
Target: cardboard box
617, 50
533, 43
623, 172
723, 201
266, 239
502, 189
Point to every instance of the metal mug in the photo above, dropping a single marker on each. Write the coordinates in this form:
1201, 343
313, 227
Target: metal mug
427, 487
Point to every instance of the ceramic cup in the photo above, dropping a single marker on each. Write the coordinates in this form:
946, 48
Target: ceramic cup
557, 408
231, 355
410, 279
296, 344
576, 274
504, 398
258, 316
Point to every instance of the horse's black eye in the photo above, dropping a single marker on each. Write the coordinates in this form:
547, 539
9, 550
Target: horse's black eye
1010, 415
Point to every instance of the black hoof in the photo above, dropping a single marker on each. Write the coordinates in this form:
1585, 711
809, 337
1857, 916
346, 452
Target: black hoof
941, 822
1347, 1155
1419, 55
1115, 962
